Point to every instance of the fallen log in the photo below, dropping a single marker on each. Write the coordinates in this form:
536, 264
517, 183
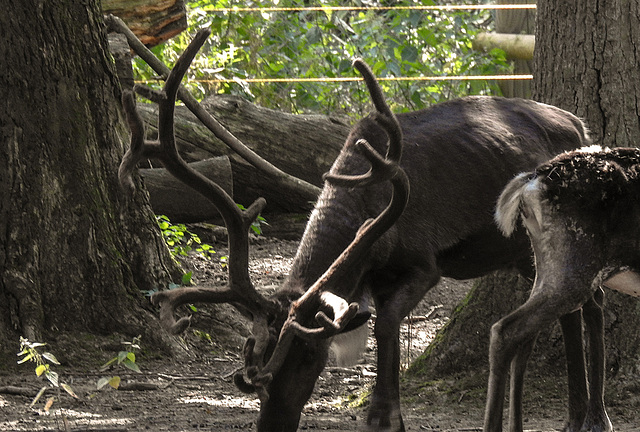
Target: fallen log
170, 197
182, 204
515, 46
304, 146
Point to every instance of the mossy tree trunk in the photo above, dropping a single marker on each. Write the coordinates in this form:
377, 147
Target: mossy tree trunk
586, 60
74, 253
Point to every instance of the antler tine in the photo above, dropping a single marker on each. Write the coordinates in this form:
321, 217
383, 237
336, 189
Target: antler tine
171, 299
372, 85
139, 149
387, 118
382, 169
240, 292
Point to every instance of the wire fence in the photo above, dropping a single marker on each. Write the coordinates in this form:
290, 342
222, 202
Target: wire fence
352, 79
368, 8
450, 7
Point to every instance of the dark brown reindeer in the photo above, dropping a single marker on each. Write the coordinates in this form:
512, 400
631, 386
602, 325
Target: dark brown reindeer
457, 155
580, 210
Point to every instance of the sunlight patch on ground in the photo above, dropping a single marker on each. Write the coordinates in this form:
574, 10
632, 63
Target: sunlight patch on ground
9, 425
44, 420
224, 401
320, 405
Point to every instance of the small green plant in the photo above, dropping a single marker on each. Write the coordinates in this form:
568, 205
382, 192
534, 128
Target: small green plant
30, 352
256, 226
180, 240
125, 358
204, 336
186, 281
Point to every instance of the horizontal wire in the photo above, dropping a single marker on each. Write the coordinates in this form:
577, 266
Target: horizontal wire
352, 79
365, 8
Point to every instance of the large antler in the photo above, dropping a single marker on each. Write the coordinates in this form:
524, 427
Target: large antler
239, 292
382, 169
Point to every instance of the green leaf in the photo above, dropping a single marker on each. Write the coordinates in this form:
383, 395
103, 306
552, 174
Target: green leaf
131, 365
51, 358
52, 377
409, 54
186, 278
69, 390
40, 370
103, 382
314, 35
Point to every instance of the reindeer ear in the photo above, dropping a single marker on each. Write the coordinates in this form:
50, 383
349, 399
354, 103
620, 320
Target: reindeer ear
349, 345
359, 319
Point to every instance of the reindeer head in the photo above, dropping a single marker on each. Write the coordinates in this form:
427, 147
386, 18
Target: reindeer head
291, 331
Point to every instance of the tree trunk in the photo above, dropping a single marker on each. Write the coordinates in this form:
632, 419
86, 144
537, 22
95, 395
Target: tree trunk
587, 63
75, 253
304, 146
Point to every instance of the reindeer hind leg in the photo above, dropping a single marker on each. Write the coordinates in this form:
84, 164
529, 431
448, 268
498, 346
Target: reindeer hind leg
596, 419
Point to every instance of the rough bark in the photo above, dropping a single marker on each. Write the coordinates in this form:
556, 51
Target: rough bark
586, 62
304, 146
75, 254
153, 21
590, 65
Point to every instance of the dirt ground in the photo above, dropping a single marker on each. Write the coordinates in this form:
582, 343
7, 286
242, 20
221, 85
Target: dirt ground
198, 393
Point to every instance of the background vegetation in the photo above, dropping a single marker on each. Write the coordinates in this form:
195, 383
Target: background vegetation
312, 44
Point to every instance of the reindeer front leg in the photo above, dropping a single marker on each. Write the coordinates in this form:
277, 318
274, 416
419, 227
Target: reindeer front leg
393, 303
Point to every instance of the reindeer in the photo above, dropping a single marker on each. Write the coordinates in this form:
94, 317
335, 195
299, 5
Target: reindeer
580, 211
366, 236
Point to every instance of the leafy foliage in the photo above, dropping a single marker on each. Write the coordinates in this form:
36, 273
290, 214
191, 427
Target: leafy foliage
125, 358
311, 44
30, 352
180, 240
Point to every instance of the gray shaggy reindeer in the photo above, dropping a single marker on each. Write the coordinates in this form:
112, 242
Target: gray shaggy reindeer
580, 210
